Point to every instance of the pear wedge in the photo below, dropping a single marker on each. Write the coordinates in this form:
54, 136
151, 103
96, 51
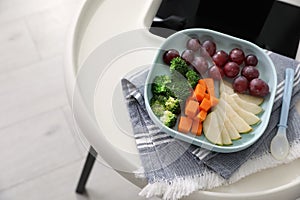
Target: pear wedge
232, 131
226, 137
248, 106
249, 117
251, 99
226, 140
225, 86
239, 123
211, 129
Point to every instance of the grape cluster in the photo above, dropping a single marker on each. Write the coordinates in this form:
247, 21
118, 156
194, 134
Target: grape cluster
235, 65
243, 70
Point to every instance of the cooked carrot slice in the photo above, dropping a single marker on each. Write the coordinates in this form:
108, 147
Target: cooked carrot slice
201, 116
185, 124
206, 95
191, 108
202, 82
210, 86
196, 127
199, 92
205, 104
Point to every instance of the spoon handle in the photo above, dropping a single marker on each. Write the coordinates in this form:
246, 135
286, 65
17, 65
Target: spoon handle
286, 99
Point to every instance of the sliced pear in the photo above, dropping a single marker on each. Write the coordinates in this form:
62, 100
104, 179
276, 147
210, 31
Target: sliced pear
225, 86
226, 140
226, 137
249, 117
239, 123
232, 131
248, 106
251, 99
211, 129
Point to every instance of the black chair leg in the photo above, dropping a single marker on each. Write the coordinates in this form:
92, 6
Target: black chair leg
89, 163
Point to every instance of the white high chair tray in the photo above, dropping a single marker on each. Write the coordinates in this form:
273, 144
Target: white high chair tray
98, 21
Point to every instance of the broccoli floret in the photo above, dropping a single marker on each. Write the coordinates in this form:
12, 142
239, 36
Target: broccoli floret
179, 65
157, 104
173, 105
158, 98
180, 88
158, 108
168, 118
192, 78
159, 85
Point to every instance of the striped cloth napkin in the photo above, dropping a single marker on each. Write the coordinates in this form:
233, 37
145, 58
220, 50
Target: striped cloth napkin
174, 168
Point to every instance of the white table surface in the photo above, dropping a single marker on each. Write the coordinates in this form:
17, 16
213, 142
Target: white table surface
96, 23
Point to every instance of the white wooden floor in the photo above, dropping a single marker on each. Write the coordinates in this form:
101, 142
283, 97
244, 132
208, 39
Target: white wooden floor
40, 155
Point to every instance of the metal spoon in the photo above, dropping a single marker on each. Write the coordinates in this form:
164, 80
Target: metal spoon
279, 145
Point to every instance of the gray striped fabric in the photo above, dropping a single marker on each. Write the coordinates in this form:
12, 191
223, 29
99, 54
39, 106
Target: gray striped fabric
165, 158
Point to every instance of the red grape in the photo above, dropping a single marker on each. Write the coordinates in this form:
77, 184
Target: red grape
210, 47
169, 55
200, 64
240, 84
251, 59
231, 69
188, 55
258, 87
250, 72
220, 58
237, 55
215, 72
193, 44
